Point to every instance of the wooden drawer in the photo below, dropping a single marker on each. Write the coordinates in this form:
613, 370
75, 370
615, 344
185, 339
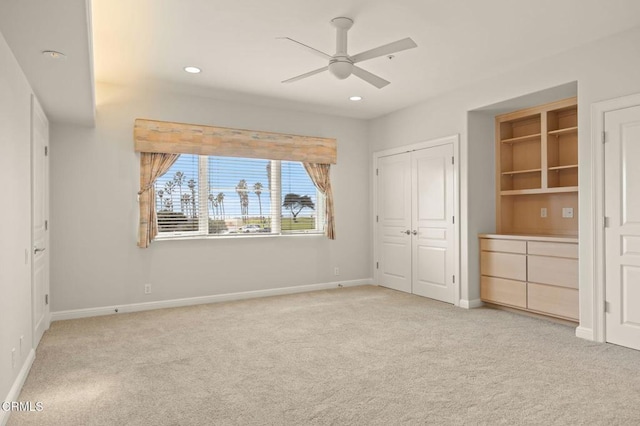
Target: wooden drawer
553, 249
553, 270
510, 246
558, 301
508, 292
503, 265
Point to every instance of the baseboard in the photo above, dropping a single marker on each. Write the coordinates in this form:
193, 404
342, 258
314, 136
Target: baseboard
470, 304
14, 393
585, 333
174, 303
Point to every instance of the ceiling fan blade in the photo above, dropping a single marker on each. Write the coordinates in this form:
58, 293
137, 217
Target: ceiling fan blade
370, 78
387, 49
305, 75
307, 48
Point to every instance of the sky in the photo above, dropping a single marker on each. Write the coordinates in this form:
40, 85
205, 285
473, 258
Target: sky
224, 174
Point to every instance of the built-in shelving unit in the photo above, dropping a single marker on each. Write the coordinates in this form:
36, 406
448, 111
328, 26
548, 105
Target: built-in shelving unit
536, 168
531, 264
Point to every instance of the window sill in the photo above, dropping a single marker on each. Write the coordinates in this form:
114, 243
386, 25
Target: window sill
236, 236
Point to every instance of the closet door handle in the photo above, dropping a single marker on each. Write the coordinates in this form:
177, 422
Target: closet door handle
406, 232
414, 232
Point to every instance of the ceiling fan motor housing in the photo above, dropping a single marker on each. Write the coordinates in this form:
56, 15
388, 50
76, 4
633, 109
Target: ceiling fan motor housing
340, 64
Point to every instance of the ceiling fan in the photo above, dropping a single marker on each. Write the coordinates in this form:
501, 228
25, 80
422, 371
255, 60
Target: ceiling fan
342, 65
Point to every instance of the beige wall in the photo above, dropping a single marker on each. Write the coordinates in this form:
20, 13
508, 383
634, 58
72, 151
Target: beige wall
94, 173
603, 70
15, 225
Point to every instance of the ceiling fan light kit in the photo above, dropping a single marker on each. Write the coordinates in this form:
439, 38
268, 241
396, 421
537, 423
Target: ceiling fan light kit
341, 68
341, 65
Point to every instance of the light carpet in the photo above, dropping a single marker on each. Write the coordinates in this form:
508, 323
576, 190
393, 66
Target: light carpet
353, 356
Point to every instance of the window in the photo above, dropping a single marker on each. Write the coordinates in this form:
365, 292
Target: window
199, 210
229, 196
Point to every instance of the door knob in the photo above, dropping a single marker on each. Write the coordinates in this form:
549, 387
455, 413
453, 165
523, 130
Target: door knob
414, 232
405, 232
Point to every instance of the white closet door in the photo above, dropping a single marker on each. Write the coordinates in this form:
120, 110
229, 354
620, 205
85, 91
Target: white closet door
432, 223
622, 236
394, 222
415, 222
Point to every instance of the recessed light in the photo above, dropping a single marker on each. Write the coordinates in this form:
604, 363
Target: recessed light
53, 54
192, 70
355, 98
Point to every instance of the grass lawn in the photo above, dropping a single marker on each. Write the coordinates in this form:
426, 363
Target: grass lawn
302, 224
287, 224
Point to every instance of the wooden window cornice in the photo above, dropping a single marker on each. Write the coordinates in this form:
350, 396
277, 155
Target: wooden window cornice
179, 138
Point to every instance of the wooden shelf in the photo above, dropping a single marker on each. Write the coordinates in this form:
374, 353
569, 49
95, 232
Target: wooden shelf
526, 138
537, 168
517, 172
570, 166
565, 131
555, 190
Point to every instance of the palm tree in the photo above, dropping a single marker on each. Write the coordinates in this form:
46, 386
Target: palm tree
178, 179
184, 204
242, 190
169, 186
160, 195
214, 205
220, 199
192, 186
257, 189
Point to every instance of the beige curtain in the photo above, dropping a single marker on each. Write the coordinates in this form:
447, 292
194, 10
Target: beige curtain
152, 166
319, 174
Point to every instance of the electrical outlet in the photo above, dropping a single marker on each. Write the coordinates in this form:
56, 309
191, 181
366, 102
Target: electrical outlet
336, 271
543, 212
13, 358
147, 289
567, 212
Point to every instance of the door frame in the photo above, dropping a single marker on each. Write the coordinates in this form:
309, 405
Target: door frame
598, 111
455, 141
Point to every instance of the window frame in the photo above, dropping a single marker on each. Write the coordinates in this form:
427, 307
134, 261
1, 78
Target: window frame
275, 200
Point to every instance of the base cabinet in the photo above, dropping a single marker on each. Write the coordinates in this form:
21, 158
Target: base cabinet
503, 292
557, 301
537, 274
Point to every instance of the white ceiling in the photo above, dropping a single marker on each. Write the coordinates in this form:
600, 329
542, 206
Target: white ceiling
64, 87
146, 43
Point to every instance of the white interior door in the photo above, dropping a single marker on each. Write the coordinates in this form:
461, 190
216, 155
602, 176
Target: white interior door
39, 221
622, 234
432, 223
394, 222
415, 230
